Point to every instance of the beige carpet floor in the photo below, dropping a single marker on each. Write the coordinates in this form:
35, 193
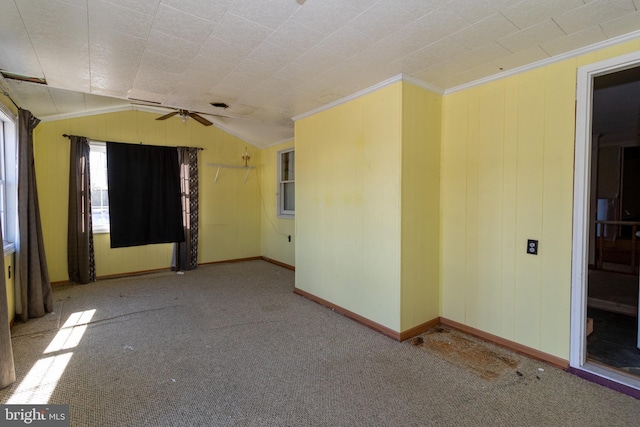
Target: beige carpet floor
231, 345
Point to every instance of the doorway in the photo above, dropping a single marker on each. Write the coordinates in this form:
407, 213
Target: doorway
606, 242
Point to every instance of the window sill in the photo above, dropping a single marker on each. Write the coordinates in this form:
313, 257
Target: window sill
283, 216
9, 248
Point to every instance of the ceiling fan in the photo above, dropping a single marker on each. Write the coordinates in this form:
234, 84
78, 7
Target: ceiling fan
185, 114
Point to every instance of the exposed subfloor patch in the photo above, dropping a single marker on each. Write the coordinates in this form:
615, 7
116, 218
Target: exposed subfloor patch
484, 359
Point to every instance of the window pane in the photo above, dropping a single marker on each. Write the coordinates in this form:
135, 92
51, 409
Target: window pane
98, 161
105, 198
8, 177
3, 202
289, 199
3, 210
288, 166
95, 198
286, 196
99, 209
99, 191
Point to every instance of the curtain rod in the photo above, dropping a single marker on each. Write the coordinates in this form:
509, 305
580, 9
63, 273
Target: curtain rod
97, 140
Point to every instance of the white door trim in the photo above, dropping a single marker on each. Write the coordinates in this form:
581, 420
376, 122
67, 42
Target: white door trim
582, 177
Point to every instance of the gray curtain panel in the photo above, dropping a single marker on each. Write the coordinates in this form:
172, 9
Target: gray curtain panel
7, 369
80, 255
35, 297
185, 254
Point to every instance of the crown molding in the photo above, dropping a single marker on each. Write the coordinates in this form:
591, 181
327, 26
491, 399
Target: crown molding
351, 97
157, 110
233, 133
282, 141
398, 78
151, 108
422, 84
548, 61
115, 109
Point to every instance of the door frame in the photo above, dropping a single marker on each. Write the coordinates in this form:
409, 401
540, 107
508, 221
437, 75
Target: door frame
581, 215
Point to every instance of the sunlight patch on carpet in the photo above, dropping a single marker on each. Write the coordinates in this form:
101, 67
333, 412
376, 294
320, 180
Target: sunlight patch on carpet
42, 379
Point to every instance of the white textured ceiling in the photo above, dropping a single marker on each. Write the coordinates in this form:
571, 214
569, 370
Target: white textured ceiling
271, 60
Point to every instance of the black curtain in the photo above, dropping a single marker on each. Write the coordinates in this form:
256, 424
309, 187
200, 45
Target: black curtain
144, 195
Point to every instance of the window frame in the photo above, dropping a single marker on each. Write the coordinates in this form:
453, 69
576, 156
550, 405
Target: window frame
98, 146
280, 200
9, 147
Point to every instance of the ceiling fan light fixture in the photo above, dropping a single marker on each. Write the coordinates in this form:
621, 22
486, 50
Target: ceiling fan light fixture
184, 115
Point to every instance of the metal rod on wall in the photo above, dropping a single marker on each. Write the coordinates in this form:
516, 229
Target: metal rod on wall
220, 165
97, 140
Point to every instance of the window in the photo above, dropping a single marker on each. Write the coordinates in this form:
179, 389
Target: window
286, 196
99, 188
8, 180
3, 183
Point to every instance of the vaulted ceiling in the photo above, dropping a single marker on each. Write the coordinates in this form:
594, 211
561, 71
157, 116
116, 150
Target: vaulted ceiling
271, 60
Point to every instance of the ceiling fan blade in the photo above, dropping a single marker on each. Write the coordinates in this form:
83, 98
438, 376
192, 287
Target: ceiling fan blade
166, 116
200, 119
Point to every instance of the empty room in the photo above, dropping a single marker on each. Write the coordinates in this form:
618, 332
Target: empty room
320, 212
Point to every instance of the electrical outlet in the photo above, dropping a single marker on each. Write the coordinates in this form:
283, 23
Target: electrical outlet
532, 247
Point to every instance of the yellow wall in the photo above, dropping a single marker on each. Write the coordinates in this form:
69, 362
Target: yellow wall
229, 226
348, 205
421, 125
368, 197
275, 231
507, 176
7, 103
